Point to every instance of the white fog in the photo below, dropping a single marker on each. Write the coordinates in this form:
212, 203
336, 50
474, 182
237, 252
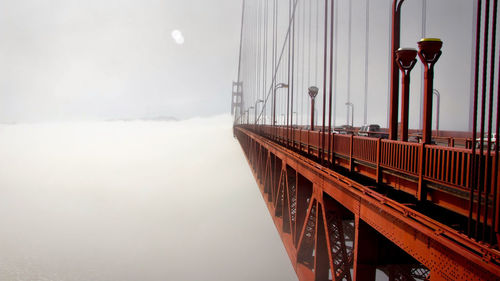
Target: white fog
138, 200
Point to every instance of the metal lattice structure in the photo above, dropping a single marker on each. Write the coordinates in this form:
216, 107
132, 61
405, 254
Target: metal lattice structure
350, 203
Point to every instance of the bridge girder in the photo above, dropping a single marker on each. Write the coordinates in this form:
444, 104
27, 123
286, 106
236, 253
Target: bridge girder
336, 229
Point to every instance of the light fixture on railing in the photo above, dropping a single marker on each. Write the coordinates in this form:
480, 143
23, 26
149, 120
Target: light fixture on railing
281, 85
278, 86
429, 53
256, 103
313, 92
406, 60
352, 113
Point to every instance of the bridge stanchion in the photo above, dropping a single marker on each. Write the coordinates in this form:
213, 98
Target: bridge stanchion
333, 148
320, 146
365, 251
308, 143
379, 169
421, 190
351, 164
299, 143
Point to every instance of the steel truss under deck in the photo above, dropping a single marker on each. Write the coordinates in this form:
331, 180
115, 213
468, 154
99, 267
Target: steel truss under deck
335, 228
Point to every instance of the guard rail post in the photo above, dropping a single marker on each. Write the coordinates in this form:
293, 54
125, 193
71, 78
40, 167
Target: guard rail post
421, 191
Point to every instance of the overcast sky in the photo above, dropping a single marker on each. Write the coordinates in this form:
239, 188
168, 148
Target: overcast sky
94, 59
90, 60
450, 20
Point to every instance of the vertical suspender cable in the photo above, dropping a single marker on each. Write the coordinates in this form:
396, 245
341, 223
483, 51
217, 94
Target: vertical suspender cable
422, 72
251, 63
254, 61
496, 200
259, 56
298, 67
336, 42
239, 59
389, 67
473, 73
266, 16
349, 44
324, 81
275, 67
292, 82
473, 172
302, 57
483, 113
367, 48
279, 60
490, 116
331, 82
288, 75
316, 51
308, 113
273, 63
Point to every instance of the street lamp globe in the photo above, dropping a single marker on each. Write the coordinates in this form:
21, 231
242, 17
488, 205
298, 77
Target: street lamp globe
313, 91
430, 49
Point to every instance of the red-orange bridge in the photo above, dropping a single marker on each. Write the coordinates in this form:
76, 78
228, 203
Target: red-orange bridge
359, 202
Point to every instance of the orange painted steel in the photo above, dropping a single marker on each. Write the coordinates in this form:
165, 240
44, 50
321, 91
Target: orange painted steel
335, 228
442, 178
342, 202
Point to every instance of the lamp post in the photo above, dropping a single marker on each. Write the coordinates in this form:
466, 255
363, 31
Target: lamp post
313, 92
278, 86
438, 97
352, 113
429, 53
248, 116
296, 114
256, 103
406, 60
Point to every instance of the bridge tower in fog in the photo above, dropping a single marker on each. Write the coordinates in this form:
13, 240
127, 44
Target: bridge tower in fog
381, 198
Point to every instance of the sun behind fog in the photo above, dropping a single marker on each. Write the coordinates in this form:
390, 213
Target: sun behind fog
177, 36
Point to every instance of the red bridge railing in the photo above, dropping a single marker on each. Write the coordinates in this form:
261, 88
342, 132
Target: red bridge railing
439, 174
448, 165
364, 148
401, 156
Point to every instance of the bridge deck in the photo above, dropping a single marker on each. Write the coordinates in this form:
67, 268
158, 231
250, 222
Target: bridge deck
314, 206
429, 173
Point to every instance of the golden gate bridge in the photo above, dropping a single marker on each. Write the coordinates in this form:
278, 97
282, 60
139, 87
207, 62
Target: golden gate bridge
414, 203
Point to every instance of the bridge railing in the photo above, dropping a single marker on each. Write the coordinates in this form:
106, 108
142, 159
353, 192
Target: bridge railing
342, 144
406, 166
401, 156
365, 148
314, 142
448, 165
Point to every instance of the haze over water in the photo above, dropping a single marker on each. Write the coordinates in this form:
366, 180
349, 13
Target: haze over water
139, 200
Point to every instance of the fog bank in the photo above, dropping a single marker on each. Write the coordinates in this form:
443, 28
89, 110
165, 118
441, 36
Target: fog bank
140, 200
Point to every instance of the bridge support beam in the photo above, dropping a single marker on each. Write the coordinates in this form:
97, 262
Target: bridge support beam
365, 261
315, 226
394, 86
